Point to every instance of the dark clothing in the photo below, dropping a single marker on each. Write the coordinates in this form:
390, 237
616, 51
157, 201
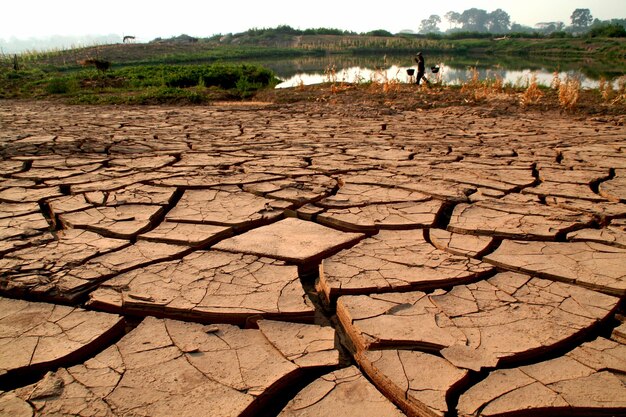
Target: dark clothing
421, 69
420, 64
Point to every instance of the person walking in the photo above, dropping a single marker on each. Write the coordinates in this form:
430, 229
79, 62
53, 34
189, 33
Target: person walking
421, 69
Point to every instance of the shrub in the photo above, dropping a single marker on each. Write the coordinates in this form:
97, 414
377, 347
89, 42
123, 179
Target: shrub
611, 30
58, 86
569, 93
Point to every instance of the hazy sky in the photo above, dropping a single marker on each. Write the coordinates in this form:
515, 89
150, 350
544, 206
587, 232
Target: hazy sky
147, 19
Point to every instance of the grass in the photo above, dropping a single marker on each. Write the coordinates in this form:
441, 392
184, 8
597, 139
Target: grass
154, 73
143, 84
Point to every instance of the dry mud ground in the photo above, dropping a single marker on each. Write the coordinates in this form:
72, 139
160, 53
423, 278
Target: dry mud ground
311, 259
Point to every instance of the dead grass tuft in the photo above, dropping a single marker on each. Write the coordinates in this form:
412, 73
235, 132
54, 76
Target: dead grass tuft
532, 94
480, 90
569, 93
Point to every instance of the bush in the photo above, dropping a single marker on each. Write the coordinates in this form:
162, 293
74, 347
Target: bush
58, 86
168, 95
611, 30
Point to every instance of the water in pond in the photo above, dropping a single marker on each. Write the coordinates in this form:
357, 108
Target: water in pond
453, 69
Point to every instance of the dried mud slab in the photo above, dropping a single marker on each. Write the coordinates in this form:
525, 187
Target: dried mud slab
412, 179
459, 244
302, 344
292, 240
585, 176
188, 234
504, 319
613, 235
418, 382
36, 336
193, 179
33, 268
615, 189
122, 222
354, 195
515, 221
28, 194
165, 368
22, 226
71, 280
480, 175
17, 209
341, 393
588, 264
585, 381
383, 216
619, 333
226, 206
605, 211
395, 261
134, 194
208, 286
558, 189
109, 181
301, 190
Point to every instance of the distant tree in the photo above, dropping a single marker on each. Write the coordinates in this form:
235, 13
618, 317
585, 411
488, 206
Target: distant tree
380, 32
550, 27
581, 19
499, 21
453, 18
607, 30
430, 25
475, 20
621, 22
517, 28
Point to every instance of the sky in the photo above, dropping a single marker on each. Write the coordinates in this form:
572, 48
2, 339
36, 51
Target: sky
148, 19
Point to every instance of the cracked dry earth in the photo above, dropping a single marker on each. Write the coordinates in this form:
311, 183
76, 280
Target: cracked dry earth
309, 260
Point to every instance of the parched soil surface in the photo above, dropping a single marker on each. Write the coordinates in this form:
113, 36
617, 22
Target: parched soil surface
335, 255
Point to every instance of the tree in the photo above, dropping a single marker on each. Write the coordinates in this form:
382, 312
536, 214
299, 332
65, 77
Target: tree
550, 27
499, 21
517, 28
454, 18
430, 25
607, 30
475, 20
581, 19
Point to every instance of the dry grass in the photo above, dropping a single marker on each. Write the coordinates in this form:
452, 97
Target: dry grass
606, 89
556, 81
532, 94
569, 93
479, 90
620, 95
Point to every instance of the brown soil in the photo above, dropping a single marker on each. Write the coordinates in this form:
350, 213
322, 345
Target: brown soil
388, 99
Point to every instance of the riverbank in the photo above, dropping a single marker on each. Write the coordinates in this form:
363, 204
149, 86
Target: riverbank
224, 49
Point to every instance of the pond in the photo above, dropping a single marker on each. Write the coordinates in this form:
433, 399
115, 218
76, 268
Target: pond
454, 70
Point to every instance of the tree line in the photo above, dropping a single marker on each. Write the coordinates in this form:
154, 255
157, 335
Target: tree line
499, 22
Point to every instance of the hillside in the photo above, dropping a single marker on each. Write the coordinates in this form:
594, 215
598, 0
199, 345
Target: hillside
246, 46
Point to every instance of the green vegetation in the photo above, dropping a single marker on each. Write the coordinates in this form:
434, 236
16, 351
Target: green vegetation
196, 70
144, 84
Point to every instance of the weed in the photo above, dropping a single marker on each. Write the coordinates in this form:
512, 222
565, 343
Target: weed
620, 96
556, 81
606, 89
532, 94
58, 86
330, 74
479, 89
569, 93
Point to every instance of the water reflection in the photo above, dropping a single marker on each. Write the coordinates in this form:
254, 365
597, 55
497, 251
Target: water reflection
447, 75
454, 70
